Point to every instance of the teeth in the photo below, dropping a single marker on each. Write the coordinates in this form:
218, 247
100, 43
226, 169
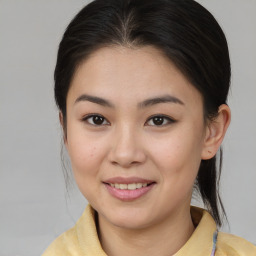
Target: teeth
131, 186
139, 185
123, 186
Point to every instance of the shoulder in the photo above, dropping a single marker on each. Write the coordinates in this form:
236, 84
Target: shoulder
80, 240
231, 245
64, 245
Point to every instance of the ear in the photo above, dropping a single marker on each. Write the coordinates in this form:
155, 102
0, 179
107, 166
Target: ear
215, 132
64, 128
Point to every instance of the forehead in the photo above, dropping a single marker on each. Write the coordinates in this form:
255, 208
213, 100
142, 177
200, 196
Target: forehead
141, 72
139, 63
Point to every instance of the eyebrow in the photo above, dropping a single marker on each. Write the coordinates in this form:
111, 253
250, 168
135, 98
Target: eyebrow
146, 103
94, 99
161, 99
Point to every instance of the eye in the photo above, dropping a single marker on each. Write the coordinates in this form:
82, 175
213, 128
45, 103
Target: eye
96, 120
159, 120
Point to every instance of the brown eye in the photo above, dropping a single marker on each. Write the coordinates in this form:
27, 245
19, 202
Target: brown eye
159, 121
96, 120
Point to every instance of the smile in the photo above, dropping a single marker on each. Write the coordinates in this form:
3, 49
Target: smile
131, 186
128, 189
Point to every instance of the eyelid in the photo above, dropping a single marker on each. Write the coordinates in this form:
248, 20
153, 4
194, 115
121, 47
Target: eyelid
86, 117
170, 120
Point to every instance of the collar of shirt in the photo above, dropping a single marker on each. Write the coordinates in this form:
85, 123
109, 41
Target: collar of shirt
200, 243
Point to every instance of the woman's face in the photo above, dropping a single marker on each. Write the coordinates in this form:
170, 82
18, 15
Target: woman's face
135, 135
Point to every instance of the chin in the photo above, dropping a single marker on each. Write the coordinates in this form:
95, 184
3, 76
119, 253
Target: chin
129, 218
129, 223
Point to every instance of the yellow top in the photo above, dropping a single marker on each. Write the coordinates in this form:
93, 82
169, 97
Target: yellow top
82, 239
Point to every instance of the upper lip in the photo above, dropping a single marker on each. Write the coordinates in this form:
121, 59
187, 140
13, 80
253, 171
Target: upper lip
127, 180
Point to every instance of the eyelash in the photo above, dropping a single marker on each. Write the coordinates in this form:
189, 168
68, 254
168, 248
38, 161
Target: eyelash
91, 116
166, 120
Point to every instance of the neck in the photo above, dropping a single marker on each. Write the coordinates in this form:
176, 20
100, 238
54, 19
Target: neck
164, 239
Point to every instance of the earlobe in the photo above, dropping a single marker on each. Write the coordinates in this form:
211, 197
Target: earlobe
216, 130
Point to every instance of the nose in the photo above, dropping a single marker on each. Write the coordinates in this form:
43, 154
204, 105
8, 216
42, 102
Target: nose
127, 148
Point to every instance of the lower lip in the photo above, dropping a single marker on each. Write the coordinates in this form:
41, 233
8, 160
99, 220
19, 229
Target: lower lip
128, 195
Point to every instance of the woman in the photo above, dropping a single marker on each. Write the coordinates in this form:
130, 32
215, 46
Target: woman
142, 86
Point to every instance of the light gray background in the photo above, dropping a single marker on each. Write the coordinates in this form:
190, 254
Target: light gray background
34, 207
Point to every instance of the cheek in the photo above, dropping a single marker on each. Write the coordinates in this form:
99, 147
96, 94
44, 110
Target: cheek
82, 155
86, 159
86, 154
179, 155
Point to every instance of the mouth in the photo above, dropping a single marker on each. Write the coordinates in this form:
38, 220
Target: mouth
128, 189
131, 186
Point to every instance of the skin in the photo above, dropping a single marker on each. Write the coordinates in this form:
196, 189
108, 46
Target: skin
129, 144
